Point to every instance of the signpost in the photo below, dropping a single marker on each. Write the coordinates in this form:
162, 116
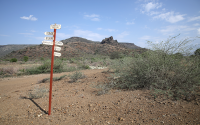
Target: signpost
49, 38
56, 26
51, 43
57, 54
49, 33
57, 48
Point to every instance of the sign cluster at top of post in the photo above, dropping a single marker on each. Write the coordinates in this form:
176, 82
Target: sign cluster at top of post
58, 43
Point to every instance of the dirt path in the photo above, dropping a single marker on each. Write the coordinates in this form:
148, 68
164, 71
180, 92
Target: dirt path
78, 104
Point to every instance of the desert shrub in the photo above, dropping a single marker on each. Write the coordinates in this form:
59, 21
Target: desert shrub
84, 67
59, 78
105, 88
7, 71
43, 80
70, 69
54, 79
6, 59
63, 59
177, 56
159, 72
46, 67
42, 59
115, 55
197, 52
13, 60
93, 60
122, 64
25, 58
77, 75
72, 60
38, 92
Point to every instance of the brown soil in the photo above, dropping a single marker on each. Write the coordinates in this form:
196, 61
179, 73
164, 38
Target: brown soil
78, 104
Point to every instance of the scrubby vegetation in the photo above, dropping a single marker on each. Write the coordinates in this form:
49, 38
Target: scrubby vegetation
46, 67
197, 52
13, 60
25, 58
77, 75
38, 92
161, 71
54, 79
165, 69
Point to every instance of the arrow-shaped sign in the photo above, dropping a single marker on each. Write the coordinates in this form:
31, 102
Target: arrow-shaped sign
56, 26
58, 43
48, 38
49, 33
57, 48
57, 54
47, 42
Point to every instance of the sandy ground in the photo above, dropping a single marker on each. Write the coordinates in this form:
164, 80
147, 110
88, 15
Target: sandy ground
78, 104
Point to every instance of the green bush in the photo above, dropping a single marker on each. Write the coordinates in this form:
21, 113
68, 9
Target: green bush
46, 67
93, 60
25, 58
42, 59
6, 59
159, 72
71, 60
177, 56
13, 60
115, 55
63, 59
84, 67
77, 75
197, 52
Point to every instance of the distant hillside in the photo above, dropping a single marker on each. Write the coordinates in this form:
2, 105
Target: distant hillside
78, 39
5, 49
74, 46
130, 45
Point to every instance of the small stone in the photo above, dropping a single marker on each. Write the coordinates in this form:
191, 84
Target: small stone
120, 119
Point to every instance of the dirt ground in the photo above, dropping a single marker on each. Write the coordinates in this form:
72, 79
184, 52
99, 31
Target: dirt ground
78, 104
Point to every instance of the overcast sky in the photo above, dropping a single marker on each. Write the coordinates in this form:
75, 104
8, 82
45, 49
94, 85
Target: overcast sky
133, 21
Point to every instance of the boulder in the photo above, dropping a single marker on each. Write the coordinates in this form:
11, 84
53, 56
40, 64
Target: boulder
109, 41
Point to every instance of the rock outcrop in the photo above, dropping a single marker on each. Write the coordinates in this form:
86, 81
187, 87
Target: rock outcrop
109, 41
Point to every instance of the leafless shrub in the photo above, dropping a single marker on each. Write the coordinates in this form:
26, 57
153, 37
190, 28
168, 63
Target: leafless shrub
38, 92
8, 71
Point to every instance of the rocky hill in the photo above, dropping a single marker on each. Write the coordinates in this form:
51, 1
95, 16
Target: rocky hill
78, 39
74, 46
5, 49
130, 45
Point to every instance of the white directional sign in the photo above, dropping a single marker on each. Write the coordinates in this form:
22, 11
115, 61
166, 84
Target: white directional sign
48, 38
49, 33
57, 48
47, 42
57, 54
58, 43
55, 26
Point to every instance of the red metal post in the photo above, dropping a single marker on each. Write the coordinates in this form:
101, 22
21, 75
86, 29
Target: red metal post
51, 75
